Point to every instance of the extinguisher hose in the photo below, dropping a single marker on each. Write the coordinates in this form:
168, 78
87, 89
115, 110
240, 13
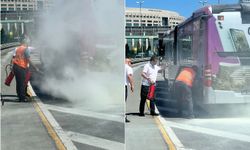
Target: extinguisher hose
6, 69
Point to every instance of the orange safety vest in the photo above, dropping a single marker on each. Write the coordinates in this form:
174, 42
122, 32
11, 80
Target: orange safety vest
19, 58
186, 76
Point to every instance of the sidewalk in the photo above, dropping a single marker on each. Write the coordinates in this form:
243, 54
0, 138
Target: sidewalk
141, 132
21, 126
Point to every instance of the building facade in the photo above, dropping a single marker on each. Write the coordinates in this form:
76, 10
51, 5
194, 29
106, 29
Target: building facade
24, 5
152, 17
145, 26
18, 17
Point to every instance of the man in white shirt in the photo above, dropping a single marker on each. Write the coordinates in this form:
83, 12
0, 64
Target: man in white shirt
128, 80
149, 75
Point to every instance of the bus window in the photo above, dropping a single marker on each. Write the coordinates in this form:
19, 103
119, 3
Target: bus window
239, 40
185, 49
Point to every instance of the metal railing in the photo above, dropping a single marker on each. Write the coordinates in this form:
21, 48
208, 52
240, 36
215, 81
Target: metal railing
8, 45
138, 60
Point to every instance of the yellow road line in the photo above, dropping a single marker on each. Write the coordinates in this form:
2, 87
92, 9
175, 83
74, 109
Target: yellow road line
51, 131
166, 138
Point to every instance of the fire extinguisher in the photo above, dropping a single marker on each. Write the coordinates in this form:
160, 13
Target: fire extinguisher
10, 76
151, 92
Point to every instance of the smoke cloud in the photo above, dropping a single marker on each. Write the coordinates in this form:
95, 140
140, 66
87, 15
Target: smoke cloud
81, 44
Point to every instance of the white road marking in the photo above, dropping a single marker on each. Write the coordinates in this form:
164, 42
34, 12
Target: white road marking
86, 113
224, 134
95, 141
58, 129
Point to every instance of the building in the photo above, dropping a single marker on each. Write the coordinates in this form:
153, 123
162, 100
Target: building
18, 17
25, 5
152, 17
145, 26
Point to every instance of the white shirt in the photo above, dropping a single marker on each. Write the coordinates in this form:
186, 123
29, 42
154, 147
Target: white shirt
128, 71
150, 72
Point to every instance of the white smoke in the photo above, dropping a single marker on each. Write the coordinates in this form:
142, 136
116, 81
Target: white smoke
82, 51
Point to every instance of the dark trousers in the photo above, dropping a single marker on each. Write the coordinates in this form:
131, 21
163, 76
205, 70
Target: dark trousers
20, 74
183, 94
144, 93
126, 92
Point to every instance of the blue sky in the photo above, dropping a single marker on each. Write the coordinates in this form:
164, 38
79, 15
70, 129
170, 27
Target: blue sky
183, 7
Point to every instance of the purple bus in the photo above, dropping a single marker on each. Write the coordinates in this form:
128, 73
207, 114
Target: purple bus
216, 39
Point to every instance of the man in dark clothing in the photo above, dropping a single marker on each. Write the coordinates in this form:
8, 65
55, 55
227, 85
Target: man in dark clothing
20, 61
183, 89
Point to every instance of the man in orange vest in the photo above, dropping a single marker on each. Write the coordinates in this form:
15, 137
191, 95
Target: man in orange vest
183, 89
20, 61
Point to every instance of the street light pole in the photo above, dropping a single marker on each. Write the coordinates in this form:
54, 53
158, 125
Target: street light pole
140, 3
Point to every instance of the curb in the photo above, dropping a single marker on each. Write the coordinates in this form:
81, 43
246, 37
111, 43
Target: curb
168, 134
55, 131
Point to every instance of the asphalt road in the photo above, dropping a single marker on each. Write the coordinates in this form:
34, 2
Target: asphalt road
89, 126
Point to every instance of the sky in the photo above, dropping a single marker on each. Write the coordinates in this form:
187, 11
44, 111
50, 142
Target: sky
183, 7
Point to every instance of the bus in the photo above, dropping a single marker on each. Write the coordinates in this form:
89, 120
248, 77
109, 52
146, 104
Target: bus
215, 39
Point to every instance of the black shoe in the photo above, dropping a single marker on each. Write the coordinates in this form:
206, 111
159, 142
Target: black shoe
154, 114
126, 120
141, 114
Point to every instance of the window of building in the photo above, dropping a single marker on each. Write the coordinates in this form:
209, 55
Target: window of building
136, 20
129, 24
149, 25
128, 20
165, 21
136, 24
